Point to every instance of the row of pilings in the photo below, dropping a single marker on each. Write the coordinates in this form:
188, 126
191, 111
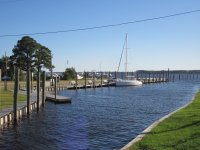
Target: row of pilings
36, 100
107, 79
141, 75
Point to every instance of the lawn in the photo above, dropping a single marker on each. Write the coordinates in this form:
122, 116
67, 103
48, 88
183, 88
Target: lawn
181, 131
6, 97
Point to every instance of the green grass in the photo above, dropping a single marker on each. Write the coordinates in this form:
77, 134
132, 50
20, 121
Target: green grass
6, 99
181, 131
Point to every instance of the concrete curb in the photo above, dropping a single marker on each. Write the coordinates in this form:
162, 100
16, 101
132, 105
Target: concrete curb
148, 129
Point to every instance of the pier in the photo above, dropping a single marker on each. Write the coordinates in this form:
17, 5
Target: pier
58, 99
110, 84
7, 116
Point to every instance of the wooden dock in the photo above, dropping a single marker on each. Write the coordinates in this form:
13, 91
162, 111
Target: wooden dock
110, 84
58, 100
90, 86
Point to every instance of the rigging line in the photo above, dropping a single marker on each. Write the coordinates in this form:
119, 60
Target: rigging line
103, 26
121, 55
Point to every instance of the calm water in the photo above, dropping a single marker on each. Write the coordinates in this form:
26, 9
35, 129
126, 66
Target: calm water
103, 118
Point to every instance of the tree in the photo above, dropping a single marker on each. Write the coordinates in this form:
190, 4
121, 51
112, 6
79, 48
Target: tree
28, 55
43, 57
24, 53
4, 62
69, 74
24, 58
3, 65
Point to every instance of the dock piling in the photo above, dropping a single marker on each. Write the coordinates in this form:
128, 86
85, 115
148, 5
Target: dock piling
101, 79
85, 74
16, 93
38, 87
43, 88
76, 81
55, 87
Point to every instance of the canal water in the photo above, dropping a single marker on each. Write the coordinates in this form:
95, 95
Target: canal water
98, 119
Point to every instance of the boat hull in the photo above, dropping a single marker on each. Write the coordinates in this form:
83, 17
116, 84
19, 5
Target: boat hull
120, 82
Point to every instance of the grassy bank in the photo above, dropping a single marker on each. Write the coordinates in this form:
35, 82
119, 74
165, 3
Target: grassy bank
179, 131
6, 97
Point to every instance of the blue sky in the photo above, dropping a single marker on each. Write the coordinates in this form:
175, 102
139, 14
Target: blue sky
155, 45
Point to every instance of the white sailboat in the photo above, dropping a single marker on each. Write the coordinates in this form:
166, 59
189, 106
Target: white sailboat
129, 80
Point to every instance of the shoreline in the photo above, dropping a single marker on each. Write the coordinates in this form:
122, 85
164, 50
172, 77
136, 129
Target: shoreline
154, 124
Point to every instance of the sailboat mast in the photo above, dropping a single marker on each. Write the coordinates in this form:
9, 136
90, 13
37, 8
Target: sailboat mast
126, 57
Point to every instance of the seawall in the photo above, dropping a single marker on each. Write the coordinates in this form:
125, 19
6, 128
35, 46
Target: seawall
149, 128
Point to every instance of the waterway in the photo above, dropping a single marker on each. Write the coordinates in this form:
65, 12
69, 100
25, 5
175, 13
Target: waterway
98, 119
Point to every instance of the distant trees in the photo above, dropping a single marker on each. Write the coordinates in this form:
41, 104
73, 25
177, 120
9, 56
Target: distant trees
69, 74
3, 65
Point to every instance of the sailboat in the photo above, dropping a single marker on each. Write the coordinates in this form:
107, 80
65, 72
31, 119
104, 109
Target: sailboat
128, 80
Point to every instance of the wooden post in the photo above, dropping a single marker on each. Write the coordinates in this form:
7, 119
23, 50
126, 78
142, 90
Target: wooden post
93, 77
28, 89
43, 88
31, 82
76, 81
16, 93
149, 77
38, 88
108, 79
101, 79
85, 73
5, 84
55, 87
153, 77
168, 75
163, 76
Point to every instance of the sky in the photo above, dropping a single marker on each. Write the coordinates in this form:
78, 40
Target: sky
153, 45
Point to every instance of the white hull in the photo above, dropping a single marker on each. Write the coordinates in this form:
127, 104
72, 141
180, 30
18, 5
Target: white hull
120, 82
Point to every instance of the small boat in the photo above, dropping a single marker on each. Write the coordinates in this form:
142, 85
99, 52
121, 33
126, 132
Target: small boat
79, 77
129, 80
